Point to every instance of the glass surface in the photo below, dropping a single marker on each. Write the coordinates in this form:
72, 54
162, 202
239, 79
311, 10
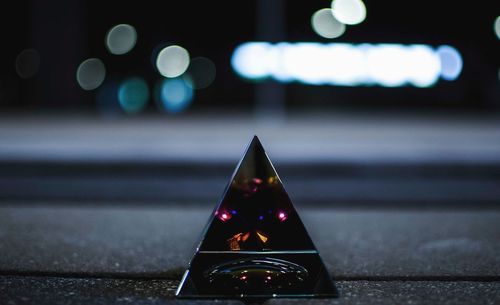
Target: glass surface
255, 245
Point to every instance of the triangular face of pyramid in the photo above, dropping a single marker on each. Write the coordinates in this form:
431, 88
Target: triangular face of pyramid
256, 213
255, 245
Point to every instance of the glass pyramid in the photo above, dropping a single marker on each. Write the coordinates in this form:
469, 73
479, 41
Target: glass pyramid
255, 245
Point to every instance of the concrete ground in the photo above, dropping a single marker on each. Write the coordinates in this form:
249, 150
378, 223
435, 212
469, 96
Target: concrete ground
136, 255
402, 210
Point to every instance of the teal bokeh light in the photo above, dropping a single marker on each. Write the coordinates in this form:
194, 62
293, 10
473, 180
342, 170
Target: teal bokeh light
133, 95
175, 94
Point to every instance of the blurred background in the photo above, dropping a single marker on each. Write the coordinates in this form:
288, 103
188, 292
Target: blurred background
357, 102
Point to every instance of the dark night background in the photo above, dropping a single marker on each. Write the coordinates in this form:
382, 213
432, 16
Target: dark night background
67, 32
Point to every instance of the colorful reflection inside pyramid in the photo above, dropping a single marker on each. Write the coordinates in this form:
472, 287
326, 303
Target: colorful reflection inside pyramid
256, 213
255, 244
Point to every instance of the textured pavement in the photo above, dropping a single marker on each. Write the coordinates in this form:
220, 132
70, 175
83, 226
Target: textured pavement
159, 241
76, 291
136, 255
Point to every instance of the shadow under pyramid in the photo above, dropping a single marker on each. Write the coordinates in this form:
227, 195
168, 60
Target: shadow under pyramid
255, 246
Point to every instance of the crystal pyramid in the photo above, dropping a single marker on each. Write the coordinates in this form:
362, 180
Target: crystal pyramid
255, 246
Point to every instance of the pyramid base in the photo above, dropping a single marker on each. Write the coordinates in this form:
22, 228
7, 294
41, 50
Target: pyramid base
256, 276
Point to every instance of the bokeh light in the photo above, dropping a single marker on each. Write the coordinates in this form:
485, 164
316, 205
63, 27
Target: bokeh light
325, 25
27, 63
396, 65
174, 94
496, 27
172, 61
451, 62
121, 38
246, 55
133, 95
91, 73
345, 64
202, 72
349, 11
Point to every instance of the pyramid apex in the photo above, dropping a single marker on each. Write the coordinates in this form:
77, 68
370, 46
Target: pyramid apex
255, 140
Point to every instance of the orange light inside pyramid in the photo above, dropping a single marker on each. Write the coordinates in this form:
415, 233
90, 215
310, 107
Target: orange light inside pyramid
262, 237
